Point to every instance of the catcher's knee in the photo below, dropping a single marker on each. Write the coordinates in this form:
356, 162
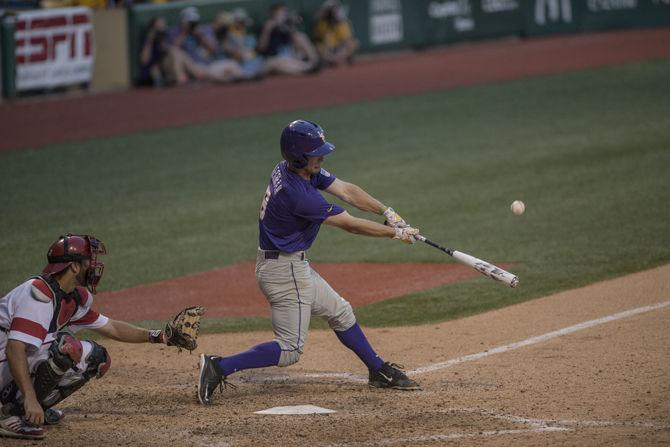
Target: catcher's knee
343, 319
288, 358
96, 360
65, 353
94, 363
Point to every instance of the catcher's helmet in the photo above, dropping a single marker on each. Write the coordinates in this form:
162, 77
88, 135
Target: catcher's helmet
76, 248
302, 139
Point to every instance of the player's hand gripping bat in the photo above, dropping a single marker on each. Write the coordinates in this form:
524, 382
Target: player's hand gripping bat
483, 267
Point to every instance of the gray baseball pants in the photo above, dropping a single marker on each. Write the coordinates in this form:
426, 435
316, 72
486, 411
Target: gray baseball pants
295, 293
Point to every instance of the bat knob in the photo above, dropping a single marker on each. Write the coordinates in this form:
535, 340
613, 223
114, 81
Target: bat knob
515, 282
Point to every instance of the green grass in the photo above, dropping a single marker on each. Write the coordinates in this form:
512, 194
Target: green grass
588, 152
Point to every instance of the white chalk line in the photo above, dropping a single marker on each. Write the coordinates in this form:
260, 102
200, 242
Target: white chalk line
452, 436
347, 377
535, 425
540, 338
303, 378
536, 422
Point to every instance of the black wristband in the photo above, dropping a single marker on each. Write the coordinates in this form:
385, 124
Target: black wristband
155, 336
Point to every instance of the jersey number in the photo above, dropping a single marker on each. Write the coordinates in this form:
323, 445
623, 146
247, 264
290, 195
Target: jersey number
264, 203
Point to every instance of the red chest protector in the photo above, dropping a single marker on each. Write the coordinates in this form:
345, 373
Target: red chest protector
46, 288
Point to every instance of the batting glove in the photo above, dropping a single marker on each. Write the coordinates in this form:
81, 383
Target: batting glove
393, 219
406, 234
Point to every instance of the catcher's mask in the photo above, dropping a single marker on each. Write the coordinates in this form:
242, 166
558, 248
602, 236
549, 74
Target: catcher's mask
77, 248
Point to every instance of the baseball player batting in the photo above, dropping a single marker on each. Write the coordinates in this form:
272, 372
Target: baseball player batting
291, 214
40, 363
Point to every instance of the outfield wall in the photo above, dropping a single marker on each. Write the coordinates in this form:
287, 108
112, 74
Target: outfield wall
382, 25
111, 68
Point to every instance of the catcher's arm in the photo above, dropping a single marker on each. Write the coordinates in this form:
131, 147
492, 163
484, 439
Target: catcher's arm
181, 332
125, 332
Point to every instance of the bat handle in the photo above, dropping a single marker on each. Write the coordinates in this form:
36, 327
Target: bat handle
447, 250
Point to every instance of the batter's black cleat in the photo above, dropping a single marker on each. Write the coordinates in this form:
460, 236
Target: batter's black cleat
391, 376
211, 377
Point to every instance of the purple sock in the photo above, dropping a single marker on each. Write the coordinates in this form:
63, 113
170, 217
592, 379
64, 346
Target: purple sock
260, 356
354, 339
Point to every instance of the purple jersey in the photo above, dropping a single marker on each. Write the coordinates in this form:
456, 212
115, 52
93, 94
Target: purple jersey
293, 210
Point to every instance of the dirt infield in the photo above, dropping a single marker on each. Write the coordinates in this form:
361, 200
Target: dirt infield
604, 383
31, 123
232, 291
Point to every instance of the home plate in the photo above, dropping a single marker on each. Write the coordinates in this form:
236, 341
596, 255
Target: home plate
296, 409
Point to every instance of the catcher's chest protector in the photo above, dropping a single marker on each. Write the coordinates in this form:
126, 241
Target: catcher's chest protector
65, 305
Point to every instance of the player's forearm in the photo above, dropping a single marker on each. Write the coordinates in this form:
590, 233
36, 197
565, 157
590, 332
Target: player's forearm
125, 332
356, 196
366, 227
18, 367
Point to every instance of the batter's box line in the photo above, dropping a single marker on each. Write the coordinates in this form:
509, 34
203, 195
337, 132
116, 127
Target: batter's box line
320, 378
557, 423
535, 425
451, 437
539, 338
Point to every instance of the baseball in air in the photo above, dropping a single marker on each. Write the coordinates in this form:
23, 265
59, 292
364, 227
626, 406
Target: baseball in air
518, 207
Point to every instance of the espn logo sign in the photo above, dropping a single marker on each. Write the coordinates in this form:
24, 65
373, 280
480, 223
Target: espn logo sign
43, 36
53, 48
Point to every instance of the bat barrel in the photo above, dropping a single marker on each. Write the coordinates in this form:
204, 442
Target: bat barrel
483, 267
487, 269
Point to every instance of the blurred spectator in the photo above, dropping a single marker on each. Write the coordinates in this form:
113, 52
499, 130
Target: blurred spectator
333, 34
192, 50
287, 49
154, 63
236, 43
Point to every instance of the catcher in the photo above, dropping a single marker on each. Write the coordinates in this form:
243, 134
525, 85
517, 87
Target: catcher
40, 363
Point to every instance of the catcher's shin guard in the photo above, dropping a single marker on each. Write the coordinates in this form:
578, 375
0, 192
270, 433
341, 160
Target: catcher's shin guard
97, 362
8, 393
64, 354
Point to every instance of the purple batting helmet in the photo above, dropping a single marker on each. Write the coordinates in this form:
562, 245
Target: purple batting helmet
302, 139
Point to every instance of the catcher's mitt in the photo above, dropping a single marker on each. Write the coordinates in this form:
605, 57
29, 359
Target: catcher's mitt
182, 332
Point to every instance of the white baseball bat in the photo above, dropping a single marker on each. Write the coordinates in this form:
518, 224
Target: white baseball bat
483, 267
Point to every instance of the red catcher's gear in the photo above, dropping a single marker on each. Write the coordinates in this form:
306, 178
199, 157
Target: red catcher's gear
76, 248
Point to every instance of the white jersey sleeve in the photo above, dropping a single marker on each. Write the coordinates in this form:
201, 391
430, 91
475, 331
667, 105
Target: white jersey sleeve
86, 317
27, 318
